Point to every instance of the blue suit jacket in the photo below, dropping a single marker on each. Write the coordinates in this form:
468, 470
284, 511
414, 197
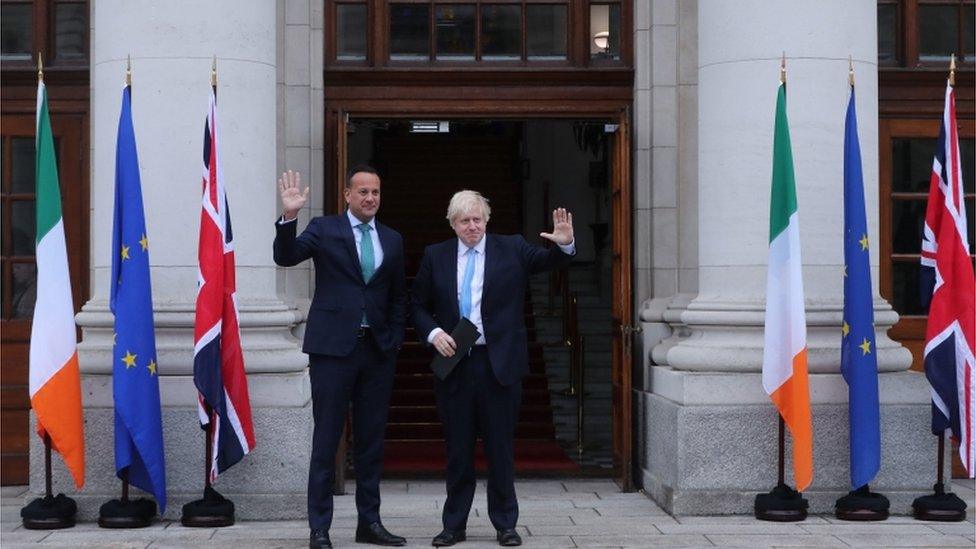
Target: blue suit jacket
509, 260
341, 294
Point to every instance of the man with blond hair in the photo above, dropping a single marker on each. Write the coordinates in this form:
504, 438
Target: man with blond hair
482, 277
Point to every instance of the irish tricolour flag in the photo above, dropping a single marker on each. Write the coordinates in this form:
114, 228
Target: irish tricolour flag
784, 369
55, 385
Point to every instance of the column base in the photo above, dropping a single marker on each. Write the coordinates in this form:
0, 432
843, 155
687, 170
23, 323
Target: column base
710, 445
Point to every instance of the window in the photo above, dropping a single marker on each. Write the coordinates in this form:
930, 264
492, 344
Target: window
915, 33
56, 28
17, 196
907, 148
473, 32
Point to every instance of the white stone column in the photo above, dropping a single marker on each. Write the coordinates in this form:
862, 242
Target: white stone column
171, 44
706, 401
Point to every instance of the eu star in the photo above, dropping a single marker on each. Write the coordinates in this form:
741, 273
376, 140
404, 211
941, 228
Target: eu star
144, 242
152, 367
845, 329
865, 346
129, 359
125, 252
864, 242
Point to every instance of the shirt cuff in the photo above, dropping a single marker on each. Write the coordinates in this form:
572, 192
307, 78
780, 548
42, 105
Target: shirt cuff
433, 333
569, 249
283, 221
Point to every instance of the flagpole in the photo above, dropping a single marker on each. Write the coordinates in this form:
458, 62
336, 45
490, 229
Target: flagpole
782, 503
50, 512
213, 510
941, 506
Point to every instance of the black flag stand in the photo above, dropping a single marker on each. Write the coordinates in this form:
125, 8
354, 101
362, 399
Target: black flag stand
781, 504
50, 512
862, 505
214, 510
941, 506
125, 512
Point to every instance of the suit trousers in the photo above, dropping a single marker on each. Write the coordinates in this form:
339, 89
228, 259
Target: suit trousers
365, 377
472, 402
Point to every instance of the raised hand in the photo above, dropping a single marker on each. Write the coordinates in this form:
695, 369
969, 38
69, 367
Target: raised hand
292, 196
562, 227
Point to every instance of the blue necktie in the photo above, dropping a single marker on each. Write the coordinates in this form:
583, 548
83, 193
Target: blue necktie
466, 285
366, 260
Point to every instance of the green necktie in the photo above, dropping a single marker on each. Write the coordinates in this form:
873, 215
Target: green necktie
366, 259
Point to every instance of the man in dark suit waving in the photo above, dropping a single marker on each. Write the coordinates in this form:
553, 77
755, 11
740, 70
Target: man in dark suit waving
354, 330
482, 277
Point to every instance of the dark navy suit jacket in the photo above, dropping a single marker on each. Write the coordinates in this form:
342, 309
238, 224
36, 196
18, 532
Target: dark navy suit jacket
509, 260
341, 295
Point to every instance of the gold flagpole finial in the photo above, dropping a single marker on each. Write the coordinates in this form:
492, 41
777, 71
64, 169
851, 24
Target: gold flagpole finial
128, 70
782, 69
40, 67
213, 72
850, 70
952, 70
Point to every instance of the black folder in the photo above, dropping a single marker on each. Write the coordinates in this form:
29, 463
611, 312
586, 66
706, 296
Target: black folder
464, 334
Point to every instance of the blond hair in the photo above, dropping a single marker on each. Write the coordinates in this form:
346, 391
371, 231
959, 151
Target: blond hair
465, 201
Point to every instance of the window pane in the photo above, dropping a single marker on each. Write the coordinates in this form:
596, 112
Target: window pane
16, 31
351, 32
24, 289
500, 32
545, 31
907, 217
70, 27
409, 31
905, 289
22, 170
938, 33
887, 33
967, 150
23, 215
455, 32
605, 31
911, 164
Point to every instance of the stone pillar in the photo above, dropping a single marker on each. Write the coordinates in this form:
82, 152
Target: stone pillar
710, 441
171, 46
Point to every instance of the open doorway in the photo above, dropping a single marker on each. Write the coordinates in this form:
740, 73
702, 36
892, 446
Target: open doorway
525, 168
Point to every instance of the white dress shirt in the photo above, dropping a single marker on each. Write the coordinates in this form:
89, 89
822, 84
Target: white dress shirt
478, 283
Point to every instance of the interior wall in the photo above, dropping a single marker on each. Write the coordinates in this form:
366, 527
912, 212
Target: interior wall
555, 160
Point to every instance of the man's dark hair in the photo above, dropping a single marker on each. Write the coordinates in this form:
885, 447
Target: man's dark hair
361, 168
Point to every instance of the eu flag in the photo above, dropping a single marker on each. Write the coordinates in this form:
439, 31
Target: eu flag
138, 420
858, 358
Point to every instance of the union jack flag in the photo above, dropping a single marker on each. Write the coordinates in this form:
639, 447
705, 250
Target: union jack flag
947, 286
218, 361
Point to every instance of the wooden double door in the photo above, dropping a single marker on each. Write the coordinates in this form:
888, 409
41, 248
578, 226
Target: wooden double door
622, 318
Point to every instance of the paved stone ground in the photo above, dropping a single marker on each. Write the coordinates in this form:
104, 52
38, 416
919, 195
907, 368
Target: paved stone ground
567, 513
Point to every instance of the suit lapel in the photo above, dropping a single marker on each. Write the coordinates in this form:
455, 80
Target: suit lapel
385, 238
491, 260
451, 260
345, 229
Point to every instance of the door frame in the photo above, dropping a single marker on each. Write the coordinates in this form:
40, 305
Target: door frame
339, 112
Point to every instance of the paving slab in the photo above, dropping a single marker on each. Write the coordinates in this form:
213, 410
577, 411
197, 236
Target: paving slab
774, 540
906, 540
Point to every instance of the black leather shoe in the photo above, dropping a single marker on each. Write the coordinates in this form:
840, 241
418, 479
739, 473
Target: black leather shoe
448, 538
377, 535
319, 539
508, 538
